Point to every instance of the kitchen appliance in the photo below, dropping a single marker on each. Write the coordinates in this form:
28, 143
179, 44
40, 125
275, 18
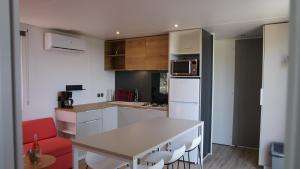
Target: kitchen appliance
185, 67
184, 103
65, 99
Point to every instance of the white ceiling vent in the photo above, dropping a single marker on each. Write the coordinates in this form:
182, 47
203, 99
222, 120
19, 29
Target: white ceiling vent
63, 42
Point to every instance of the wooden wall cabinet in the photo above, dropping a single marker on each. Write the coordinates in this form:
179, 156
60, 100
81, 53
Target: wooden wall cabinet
114, 55
157, 52
145, 53
135, 53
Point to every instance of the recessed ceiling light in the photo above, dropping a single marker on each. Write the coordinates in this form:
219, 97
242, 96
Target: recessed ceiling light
118, 33
176, 25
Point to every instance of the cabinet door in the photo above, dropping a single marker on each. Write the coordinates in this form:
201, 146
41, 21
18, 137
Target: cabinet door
89, 116
135, 54
110, 118
157, 52
188, 111
89, 128
185, 42
184, 90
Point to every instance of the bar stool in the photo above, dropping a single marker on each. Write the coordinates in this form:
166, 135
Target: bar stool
169, 157
95, 161
190, 146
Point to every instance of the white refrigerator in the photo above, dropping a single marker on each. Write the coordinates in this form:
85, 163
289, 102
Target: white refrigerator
184, 103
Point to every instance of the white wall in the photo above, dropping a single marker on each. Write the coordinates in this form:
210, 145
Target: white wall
223, 91
47, 72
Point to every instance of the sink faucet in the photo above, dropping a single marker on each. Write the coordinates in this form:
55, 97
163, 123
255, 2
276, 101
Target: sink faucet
136, 95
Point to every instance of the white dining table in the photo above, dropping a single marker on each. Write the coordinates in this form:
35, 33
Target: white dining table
133, 142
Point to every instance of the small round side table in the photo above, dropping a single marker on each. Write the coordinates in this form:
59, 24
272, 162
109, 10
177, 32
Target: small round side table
45, 161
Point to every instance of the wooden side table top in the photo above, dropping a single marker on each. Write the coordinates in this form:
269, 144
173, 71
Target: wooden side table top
45, 161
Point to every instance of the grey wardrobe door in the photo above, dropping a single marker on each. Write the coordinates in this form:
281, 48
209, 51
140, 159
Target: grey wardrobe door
248, 81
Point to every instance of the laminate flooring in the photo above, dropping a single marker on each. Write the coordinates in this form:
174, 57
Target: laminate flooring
224, 157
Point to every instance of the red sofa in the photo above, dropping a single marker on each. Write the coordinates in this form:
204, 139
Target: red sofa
60, 148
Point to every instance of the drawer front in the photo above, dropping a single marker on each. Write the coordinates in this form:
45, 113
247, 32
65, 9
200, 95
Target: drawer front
89, 116
89, 128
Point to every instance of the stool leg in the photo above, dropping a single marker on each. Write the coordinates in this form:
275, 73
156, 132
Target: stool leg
178, 164
183, 162
189, 160
167, 166
200, 157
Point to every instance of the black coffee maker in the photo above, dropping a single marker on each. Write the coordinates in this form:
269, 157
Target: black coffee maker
65, 99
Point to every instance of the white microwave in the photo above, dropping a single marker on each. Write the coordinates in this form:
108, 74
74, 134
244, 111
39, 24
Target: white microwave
185, 67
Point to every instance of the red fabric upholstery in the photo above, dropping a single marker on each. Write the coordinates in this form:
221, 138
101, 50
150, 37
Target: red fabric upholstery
54, 146
44, 128
49, 143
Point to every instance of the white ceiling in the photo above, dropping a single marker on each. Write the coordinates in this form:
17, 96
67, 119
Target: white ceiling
102, 18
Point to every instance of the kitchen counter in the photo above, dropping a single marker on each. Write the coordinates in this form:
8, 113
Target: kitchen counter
102, 105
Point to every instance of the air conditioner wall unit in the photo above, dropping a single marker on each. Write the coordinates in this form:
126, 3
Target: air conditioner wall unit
54, 41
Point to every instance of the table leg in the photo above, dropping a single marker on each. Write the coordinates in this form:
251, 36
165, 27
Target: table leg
201, 146
75, 158
134, 164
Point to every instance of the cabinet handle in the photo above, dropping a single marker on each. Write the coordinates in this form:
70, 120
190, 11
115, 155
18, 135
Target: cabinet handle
87, 122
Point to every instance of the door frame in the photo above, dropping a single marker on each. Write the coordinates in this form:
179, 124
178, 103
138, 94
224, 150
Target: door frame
10, 87
293, 115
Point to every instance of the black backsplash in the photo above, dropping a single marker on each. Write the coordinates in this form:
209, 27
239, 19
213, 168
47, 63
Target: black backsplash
147, 83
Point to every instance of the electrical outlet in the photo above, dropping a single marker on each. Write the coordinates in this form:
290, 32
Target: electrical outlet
100, 95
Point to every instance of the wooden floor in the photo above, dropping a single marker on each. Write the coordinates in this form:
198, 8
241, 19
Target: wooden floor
224, 157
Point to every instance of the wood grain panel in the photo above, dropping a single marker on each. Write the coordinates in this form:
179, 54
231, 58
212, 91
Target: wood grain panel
135, 54
157, 52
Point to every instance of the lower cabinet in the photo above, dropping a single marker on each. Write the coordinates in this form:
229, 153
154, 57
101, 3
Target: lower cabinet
82, 124
110, 118
128, 115
89, 128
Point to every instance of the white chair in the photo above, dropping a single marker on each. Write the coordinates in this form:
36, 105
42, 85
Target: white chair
158, 165
169, 157
95, 161
190, 146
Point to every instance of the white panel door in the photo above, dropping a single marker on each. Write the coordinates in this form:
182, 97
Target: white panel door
185, 42
110, 118
184, 90
188, 111
274, 101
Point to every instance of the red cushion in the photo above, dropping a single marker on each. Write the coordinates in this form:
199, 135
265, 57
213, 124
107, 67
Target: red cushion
44, 128
56, 146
